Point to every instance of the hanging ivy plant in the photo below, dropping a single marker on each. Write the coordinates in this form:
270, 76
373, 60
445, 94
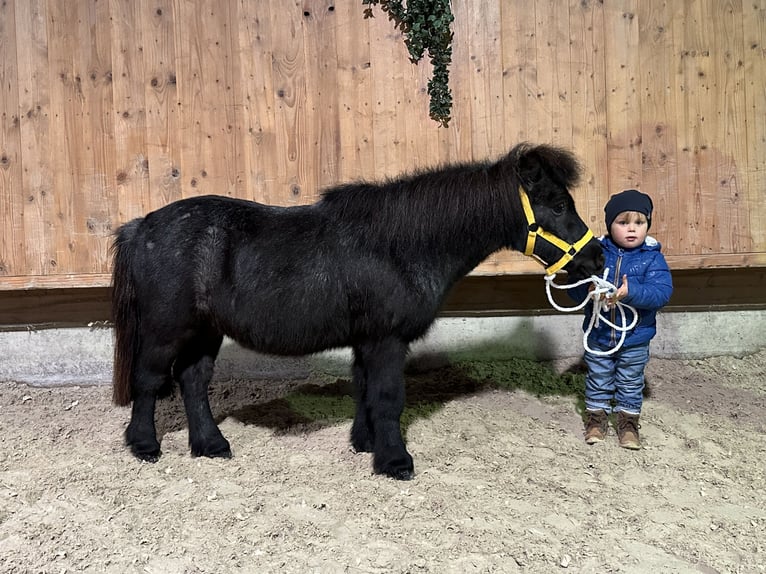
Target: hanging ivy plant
426, 27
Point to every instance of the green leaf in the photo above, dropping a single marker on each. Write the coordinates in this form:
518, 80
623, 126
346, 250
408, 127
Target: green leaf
426, 27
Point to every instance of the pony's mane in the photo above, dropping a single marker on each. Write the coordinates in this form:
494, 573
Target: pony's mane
427, 201
458, 182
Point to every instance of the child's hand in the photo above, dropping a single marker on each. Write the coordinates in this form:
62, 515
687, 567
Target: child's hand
620, 294
593, 288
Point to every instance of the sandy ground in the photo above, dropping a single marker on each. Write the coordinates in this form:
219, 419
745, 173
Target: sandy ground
504, 481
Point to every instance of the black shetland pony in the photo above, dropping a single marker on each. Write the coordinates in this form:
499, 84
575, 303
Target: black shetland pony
368, 266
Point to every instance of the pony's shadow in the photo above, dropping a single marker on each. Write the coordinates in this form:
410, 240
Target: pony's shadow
311, 406
289, 407
298, 407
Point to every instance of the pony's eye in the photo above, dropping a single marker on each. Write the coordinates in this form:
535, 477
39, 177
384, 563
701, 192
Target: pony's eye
560, 208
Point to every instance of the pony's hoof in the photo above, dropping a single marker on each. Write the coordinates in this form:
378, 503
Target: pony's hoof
146, 455
402, 474
212, 451
400, 468
220, 454
144, 446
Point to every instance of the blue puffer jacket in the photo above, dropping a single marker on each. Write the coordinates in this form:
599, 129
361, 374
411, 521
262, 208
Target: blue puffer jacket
650, 286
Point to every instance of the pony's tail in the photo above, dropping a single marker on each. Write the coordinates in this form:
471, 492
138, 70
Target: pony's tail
124, 313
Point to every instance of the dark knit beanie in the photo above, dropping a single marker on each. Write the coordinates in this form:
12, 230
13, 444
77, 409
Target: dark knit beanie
628, 200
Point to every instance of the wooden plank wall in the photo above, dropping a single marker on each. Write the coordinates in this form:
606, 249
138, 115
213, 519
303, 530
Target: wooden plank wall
112, 108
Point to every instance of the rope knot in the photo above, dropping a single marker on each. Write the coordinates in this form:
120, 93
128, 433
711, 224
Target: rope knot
601, 291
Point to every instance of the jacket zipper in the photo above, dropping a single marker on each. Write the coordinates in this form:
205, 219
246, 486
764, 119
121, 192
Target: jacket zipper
614, 309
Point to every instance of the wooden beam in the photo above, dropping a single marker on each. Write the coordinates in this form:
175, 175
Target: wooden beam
695, 290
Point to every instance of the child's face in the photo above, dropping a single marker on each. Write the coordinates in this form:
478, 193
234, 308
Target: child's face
629, 229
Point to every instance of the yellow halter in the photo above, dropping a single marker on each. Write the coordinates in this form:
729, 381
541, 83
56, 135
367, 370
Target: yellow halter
535, 231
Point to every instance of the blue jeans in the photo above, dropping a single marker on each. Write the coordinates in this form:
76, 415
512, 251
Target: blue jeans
617, 378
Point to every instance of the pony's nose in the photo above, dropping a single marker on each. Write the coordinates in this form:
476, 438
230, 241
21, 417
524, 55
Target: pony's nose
590, 261
600, 261
597, 254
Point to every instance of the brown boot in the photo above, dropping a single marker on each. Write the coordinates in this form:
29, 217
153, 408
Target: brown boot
627, 430
596, 426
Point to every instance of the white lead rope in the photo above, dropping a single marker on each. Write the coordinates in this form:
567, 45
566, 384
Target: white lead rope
604, 288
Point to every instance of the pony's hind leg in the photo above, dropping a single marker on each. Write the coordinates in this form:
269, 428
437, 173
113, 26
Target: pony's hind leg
151, 379
379, 376
362, 433
193, 370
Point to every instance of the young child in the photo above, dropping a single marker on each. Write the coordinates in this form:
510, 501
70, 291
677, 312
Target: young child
637, 266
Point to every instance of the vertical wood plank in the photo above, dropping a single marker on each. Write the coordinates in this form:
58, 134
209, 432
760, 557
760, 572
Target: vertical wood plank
696, 114
129, 115
589, 125
231, 111
754, 23
623, 106
320, 166
460, 132
35, 112
354, 77
159, 20
519, 72
553, 72
290, 104
731, 204
211, 160
659, 177
95, 200
684, 140
390, 66
66, 130
411, 110
260, 148
12, 252
485, 62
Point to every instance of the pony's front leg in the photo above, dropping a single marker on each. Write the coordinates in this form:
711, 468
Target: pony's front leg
380, 406
193, 370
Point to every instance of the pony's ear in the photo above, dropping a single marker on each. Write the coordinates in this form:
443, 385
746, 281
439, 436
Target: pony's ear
529, 169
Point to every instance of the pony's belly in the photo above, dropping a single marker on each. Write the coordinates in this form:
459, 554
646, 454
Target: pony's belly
290, 347
291, 335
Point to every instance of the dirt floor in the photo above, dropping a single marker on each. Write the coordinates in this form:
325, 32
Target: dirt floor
504, 481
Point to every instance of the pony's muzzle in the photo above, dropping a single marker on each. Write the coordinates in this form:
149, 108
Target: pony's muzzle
589, 261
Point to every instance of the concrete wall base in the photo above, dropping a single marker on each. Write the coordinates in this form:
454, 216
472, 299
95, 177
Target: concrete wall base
84, 355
